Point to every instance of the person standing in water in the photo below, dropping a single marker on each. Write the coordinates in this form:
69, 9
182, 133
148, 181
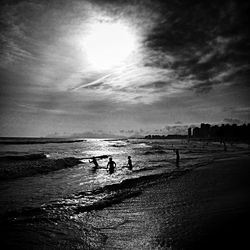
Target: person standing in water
95, 163
130, 166
177, 157
111, 166
225, 146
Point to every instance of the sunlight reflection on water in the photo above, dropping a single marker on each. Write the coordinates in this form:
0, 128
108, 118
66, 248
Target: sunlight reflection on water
148, 156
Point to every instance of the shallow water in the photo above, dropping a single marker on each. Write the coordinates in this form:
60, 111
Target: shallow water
63, 197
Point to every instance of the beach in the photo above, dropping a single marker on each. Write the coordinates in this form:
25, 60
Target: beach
207, 208
124, 125
202, 204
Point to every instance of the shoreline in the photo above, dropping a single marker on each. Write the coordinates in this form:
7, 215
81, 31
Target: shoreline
199, 208
207, 208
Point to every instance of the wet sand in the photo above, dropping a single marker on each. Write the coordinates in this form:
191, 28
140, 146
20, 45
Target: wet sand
208, 208
204, 208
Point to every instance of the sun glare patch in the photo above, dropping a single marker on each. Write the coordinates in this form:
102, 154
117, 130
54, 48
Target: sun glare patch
108, 44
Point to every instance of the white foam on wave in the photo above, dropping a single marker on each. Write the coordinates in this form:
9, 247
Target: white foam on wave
142, 145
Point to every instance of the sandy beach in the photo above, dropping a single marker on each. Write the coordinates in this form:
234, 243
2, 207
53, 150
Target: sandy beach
203, 204
207, 208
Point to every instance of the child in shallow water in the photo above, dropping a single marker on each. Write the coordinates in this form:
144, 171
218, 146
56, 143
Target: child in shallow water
95, 163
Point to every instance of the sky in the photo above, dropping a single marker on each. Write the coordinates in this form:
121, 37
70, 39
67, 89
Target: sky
124, 67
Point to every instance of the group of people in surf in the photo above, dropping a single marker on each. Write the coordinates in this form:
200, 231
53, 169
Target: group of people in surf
111, 164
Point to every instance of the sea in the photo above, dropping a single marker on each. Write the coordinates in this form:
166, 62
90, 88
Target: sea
50, 190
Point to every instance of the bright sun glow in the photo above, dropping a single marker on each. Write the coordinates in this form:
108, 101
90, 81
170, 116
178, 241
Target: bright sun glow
109, 44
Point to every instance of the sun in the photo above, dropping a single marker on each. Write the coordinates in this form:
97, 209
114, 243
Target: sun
108, 45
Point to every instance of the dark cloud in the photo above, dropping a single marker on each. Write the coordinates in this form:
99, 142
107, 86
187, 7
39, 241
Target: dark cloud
240, 75
204, 36
203, 87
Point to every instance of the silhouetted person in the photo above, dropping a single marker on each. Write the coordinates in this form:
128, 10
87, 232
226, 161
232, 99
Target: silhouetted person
130, 166
225, 146
177, 157
111, 166
95, 163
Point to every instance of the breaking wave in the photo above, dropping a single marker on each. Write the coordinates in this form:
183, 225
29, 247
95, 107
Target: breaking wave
88, 201
23, 157
28, 165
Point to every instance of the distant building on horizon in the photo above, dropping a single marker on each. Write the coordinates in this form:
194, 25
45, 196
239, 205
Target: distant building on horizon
196, 132
226, 131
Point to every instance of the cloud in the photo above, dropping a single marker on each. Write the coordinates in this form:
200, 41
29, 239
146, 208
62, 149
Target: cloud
241, 113
233, 121
131, 131
93, 134
241, 110
154, 85
176, 129
210, 43
203, 87
174, 44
